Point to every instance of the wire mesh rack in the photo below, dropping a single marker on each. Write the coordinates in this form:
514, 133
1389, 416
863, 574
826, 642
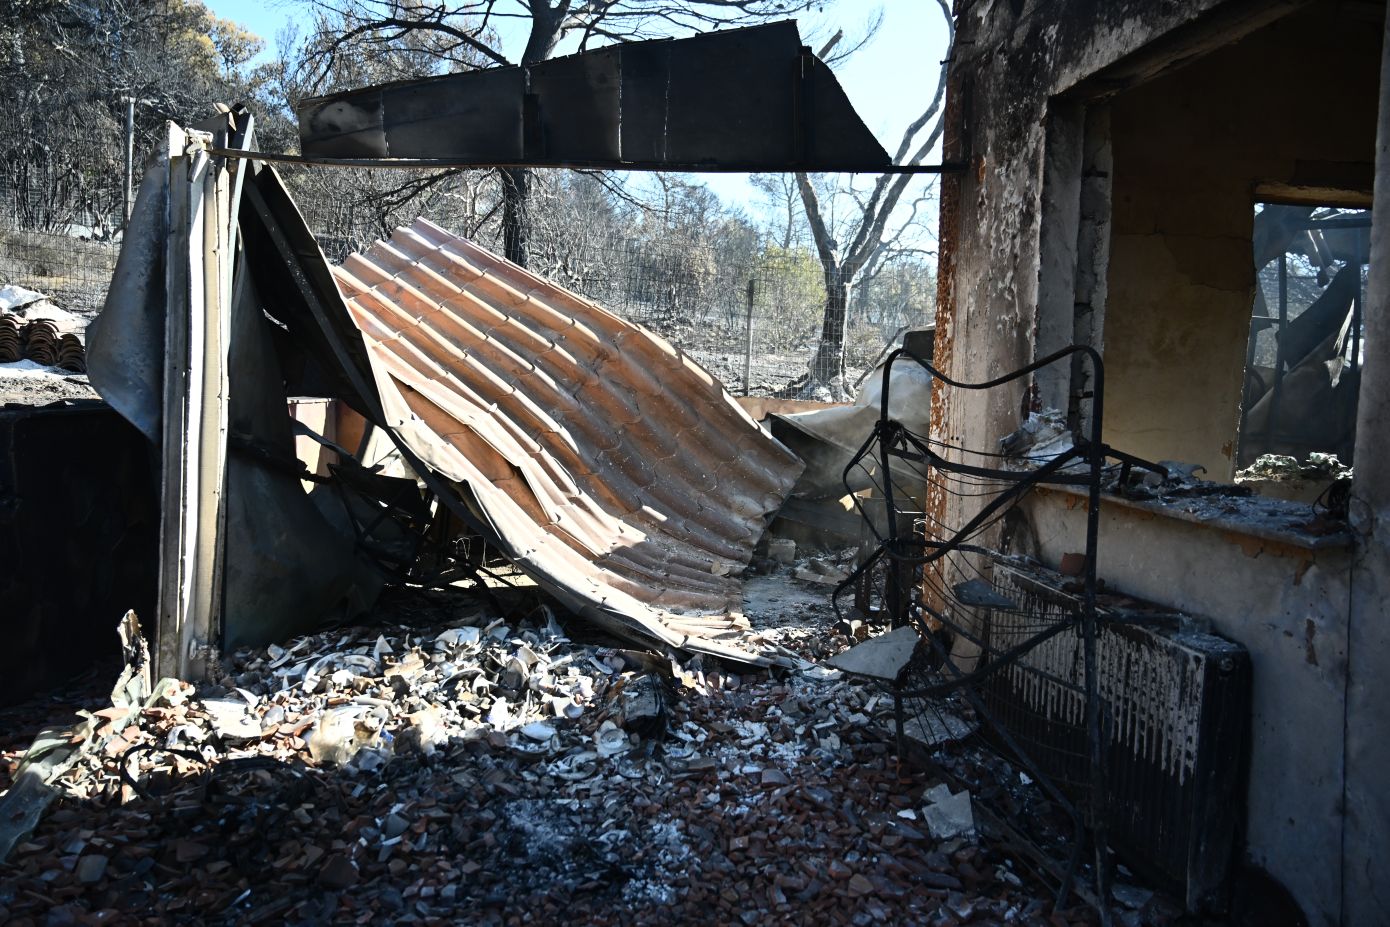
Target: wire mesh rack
1001, 644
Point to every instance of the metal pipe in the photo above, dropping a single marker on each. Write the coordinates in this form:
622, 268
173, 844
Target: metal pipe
1273, 424
1090, 629
701, 167
128, 193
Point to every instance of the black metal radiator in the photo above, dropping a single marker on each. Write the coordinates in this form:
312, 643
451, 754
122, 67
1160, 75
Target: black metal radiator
1175, 712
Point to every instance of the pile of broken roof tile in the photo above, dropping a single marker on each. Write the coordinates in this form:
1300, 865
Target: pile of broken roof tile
496, 772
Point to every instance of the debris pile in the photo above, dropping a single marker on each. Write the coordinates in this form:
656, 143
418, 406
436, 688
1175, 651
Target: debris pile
493, 769
1042, 436
1318, 466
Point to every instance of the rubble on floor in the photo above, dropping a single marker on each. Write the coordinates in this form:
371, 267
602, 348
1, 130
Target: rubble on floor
26, 382
1042, 436
456, 762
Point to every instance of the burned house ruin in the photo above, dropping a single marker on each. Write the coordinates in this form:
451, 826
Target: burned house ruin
1114, 568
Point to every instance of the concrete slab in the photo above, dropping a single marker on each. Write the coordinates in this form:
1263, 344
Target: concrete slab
883, 657
929, 728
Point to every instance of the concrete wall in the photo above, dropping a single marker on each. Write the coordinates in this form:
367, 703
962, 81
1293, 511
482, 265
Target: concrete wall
1366, 890
1289, 106
1288, 604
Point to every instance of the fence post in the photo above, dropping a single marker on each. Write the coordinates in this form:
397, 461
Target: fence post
127, 193
748, 342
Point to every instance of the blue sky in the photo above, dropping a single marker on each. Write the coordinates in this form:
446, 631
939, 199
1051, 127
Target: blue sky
889, 82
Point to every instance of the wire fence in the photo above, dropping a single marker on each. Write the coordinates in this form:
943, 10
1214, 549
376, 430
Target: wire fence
73, 272
749, 312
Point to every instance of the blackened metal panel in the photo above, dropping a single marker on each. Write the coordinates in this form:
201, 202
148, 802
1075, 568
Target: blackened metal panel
579, 105
291, 270
646, 76
750, 99
125, 343
287, 566
345, 125
837, 136
732, 96
476, 116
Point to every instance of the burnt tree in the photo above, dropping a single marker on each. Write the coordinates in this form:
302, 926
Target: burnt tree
869, 238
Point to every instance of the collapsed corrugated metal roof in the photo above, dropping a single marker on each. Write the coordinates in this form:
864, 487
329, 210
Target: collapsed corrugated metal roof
614, 470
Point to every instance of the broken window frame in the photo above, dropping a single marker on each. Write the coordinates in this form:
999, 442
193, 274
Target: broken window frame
1277, 436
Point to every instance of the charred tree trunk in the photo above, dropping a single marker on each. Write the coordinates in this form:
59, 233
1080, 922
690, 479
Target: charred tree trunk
828, 366
867, 244
516, 226
546, 19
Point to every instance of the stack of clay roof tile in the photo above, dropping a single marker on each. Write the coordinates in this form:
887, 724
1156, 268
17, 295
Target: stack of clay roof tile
11, 339
42, 341
72, 353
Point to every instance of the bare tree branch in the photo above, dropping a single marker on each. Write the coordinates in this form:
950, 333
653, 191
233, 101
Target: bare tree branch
871, 247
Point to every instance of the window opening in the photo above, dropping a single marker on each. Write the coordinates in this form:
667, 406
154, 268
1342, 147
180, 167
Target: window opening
1307, 339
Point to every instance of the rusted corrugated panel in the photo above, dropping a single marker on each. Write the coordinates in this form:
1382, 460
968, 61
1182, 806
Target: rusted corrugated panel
623, 476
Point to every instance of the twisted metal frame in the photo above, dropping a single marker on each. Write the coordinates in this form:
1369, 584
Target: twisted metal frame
1081, 465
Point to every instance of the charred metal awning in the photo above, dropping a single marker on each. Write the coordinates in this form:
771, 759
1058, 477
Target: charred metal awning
613, 469
743, 99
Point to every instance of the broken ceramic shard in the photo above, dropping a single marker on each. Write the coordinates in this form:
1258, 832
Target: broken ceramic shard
610, 740
538, 730
457, 637
933, 726
948, 815
341, 733
231, 720
882, 658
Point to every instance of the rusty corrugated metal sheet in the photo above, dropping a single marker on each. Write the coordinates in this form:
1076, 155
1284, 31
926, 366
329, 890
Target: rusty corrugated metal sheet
624, 477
